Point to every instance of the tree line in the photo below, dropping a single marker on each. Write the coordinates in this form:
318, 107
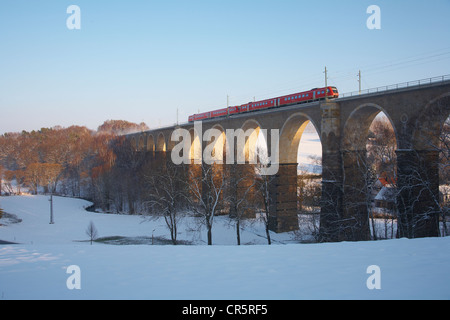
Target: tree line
103, 167
67, 161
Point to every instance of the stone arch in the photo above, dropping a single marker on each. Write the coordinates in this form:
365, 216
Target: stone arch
150, 143
357, 181
356, 127
247, 137
170, 143
418, 172
430, 123
133, 143
217, 144
195, 152
291, 133
161, 143
141, 145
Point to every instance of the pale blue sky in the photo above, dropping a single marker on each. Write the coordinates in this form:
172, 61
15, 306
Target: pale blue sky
141, 60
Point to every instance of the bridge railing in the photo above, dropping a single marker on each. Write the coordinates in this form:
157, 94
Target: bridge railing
398, 86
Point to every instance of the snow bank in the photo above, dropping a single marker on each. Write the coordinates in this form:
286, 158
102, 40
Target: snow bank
410, 269
36, 269
71, 221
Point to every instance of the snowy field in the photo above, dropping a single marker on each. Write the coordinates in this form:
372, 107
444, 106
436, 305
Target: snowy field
36, 268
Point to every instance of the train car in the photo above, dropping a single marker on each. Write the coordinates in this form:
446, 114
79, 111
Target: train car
264, 104
307, 96
219, 113
213, 114
301, 97
233, 110
334, 94
202, 116
245, 107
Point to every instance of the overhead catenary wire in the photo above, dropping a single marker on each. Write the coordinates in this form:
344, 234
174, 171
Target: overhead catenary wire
316, 80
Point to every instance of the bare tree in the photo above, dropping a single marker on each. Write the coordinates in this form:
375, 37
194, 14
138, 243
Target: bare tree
264, 185
92, 232
422, 171
443, 147
206, 191
167, 195
309, 192
242, 184
418, 201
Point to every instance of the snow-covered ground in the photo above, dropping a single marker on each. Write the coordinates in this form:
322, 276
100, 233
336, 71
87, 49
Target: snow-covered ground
37, 267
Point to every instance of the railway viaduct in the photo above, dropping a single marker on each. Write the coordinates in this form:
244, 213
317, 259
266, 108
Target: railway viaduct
416, 111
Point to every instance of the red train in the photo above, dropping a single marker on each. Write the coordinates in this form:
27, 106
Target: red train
296, 98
